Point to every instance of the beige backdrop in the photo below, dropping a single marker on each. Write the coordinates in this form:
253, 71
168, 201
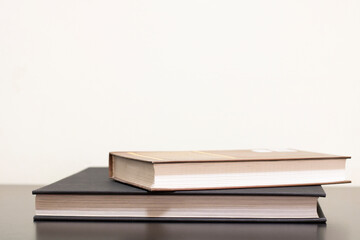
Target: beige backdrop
81, 78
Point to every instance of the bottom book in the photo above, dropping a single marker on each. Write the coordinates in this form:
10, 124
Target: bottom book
91, 195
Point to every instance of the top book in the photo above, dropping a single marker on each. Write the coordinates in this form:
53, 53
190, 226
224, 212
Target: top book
221, 169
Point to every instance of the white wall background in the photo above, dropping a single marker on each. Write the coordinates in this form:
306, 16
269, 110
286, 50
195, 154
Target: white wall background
81, 78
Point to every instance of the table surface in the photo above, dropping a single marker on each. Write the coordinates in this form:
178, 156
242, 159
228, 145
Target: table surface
17, 207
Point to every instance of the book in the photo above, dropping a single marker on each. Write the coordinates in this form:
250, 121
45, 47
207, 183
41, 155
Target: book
92, 195
195, 170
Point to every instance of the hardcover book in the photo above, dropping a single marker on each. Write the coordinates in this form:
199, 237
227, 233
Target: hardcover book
91, 195
192, 170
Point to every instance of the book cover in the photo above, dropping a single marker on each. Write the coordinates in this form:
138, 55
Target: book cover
95, 181
224, 169
224, 155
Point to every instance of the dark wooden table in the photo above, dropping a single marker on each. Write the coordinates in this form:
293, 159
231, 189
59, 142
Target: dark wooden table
341, 207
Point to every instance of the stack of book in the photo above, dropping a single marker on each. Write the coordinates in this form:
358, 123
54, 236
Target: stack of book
218, 186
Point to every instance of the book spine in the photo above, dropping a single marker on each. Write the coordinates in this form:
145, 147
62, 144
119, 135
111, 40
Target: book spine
111, 164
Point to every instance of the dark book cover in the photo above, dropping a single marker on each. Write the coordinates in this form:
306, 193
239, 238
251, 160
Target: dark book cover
95, 181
